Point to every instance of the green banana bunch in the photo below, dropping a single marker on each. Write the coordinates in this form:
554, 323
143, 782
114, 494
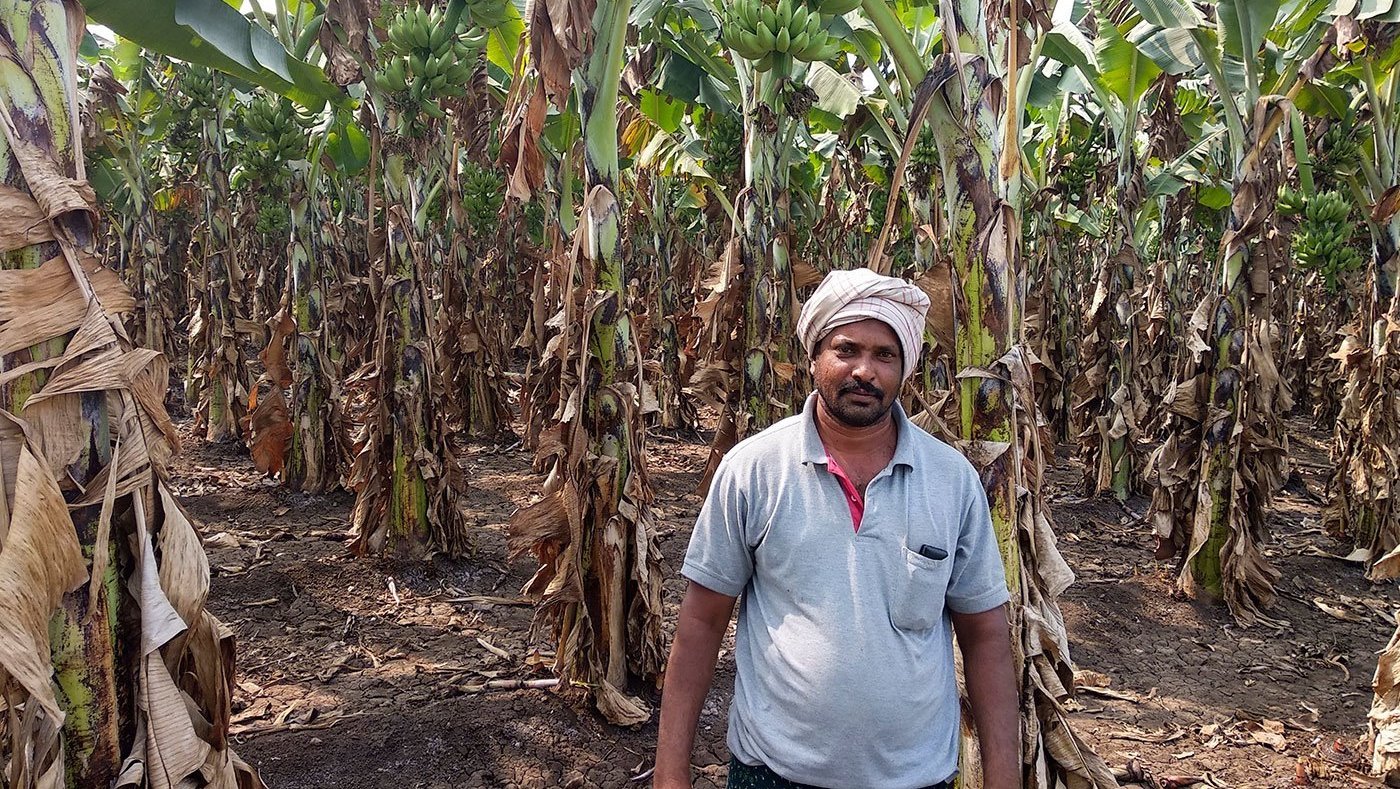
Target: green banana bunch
766, 34
1328, 208
879, 203
725, 144
1189, 102
422, 63
925, 148
1291, 202
923, 160
1081, 162
488, 13
182, 136
1339, 151
275, 130
1322, 241
198, 84
483, 193
273, 219
411, 29
743, 30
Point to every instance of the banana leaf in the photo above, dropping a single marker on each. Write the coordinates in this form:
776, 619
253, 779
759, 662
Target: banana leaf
1124, 70
213, 34
1243, 24
1171, 14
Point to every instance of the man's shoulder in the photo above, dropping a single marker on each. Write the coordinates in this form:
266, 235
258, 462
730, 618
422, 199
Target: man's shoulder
938, 454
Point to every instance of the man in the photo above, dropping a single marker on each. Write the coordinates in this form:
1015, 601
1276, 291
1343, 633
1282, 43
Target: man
857, 543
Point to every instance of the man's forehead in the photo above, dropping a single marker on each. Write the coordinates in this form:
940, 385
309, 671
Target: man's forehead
866, 332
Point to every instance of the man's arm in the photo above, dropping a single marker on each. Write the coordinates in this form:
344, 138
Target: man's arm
985, 641
689, 671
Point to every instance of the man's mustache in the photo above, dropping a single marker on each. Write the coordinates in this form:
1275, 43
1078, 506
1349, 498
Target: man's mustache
858, 387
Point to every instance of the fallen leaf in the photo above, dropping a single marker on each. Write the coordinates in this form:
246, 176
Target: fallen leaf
222, 540
1084, 678
493, 649
1337, 612
1266, 732
1112, 694
1142, 736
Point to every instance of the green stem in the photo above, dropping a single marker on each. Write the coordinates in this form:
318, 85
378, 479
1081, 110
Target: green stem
896, 38
1300, 152
1385, 153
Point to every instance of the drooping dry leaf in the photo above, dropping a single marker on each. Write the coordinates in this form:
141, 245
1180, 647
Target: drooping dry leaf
521, 156
937, 282
345, 34
561, 36
274, 356
1387, 206
269, 429
22, 223
57, 424
40, 562
184, 569
55, 193
41, 303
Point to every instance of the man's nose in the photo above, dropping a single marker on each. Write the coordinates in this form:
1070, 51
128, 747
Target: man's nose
864, 369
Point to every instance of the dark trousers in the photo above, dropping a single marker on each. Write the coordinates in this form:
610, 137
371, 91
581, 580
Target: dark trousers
743, 776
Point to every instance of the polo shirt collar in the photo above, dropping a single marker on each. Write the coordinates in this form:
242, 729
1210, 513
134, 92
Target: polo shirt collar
814, 452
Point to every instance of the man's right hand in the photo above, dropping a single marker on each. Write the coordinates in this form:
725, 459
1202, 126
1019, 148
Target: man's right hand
689, 671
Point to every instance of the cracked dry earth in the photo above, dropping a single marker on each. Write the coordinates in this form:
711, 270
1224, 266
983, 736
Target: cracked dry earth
359, 673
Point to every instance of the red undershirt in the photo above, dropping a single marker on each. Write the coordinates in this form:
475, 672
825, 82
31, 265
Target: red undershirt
853, 497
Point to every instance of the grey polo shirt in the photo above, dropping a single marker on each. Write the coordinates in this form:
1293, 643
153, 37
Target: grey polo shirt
845, 647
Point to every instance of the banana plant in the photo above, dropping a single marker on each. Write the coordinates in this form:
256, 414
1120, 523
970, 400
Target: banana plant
406, 480
278, 152
122, 116
87, 512
1225, 451
1105, 398
217, 383
475, 292
1363, 485
1184, 232
668, 177
290, 428
768, 42
771, 70
1060, 164
598, 584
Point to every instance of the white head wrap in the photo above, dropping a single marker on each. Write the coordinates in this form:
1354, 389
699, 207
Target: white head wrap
858, 294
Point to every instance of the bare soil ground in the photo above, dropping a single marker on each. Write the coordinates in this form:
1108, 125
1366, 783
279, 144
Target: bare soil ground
359, 673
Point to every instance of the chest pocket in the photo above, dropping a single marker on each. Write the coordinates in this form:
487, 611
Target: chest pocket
918, 589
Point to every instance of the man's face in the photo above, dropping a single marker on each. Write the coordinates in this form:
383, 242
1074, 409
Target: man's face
858, 369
